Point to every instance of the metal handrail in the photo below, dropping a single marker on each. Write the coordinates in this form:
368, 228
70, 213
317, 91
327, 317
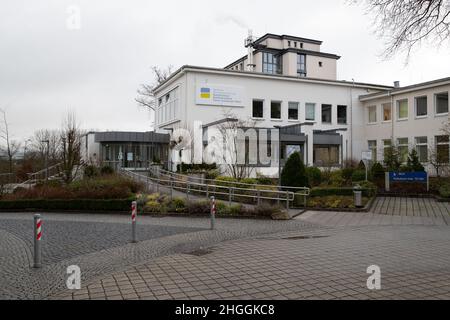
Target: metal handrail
210, 189
173, 174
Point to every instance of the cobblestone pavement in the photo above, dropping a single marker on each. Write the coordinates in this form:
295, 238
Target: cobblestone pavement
386, 211
326, 263
411, 207
99, 245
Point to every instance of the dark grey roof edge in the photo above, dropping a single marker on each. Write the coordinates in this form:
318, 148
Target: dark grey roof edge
417, 85
349, 83
287, 37
296, 50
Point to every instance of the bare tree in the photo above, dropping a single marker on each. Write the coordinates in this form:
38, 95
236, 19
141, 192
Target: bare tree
406, 23
11, 147
438, 160
71, 147
146, 97
38, 146
237, 149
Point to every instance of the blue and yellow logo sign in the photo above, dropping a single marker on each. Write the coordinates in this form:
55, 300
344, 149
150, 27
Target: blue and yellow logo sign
205, 93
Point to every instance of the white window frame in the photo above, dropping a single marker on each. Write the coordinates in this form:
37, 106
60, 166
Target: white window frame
415, 107
403, 145
313, 105
298, 110
263, 107
421, 144
383, 107
373, 147
398, 110
281, 110
435, 104
368, 114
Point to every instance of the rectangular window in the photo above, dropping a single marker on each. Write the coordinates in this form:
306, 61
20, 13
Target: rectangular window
271, 63
387, 144
402, 109
372, 113
422, 148
421, 106
301, 65
442, 149
441, 103
403, 149
342, 114
326, 155
293, 111
373, 147
258, 109
275, 110
326, 113
387, 112
310, 112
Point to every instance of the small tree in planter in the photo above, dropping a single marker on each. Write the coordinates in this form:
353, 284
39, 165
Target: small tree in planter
294, 172
413, 164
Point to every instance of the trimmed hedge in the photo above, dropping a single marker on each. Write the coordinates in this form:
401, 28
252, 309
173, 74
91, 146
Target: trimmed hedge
323, 192
72, 205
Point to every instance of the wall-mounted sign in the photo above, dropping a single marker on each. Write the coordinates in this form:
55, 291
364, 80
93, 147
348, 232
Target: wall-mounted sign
219, 95
366, 155
129, 156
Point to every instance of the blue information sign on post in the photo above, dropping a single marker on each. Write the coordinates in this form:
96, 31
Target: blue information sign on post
408, 177
420, 177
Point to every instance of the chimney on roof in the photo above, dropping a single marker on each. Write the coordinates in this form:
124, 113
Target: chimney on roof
249, 45
396, 84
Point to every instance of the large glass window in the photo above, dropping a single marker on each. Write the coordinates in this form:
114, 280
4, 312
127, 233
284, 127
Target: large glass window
293, 111
168, 107
310, 112
326, 155
275, 110
372, 114
271, 63
442, 149
258, 109
301, 65
402, 109
422, 148
326, 113
421, 106
403, 149
441, 103
387, 112
373, 147
342, 114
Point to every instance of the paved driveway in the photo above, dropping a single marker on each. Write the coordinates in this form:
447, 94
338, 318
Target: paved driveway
317, 264
99, 244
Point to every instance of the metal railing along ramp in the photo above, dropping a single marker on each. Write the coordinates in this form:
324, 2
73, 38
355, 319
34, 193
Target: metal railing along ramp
178, 185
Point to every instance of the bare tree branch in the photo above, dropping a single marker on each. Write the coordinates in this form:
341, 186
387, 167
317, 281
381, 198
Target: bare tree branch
405, 24
145, 96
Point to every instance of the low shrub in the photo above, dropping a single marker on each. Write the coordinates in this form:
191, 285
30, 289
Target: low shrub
359, 175
314, 176
334, 202
91, 171
226, 181
261, 179
72, 204
347, 174
107, 187
336, 179
348, 191
106, 170
444, 191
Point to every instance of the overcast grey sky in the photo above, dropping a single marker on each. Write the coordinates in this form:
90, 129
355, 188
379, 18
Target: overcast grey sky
47, 69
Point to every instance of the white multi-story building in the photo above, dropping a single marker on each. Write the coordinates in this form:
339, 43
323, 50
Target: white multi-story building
286, 83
